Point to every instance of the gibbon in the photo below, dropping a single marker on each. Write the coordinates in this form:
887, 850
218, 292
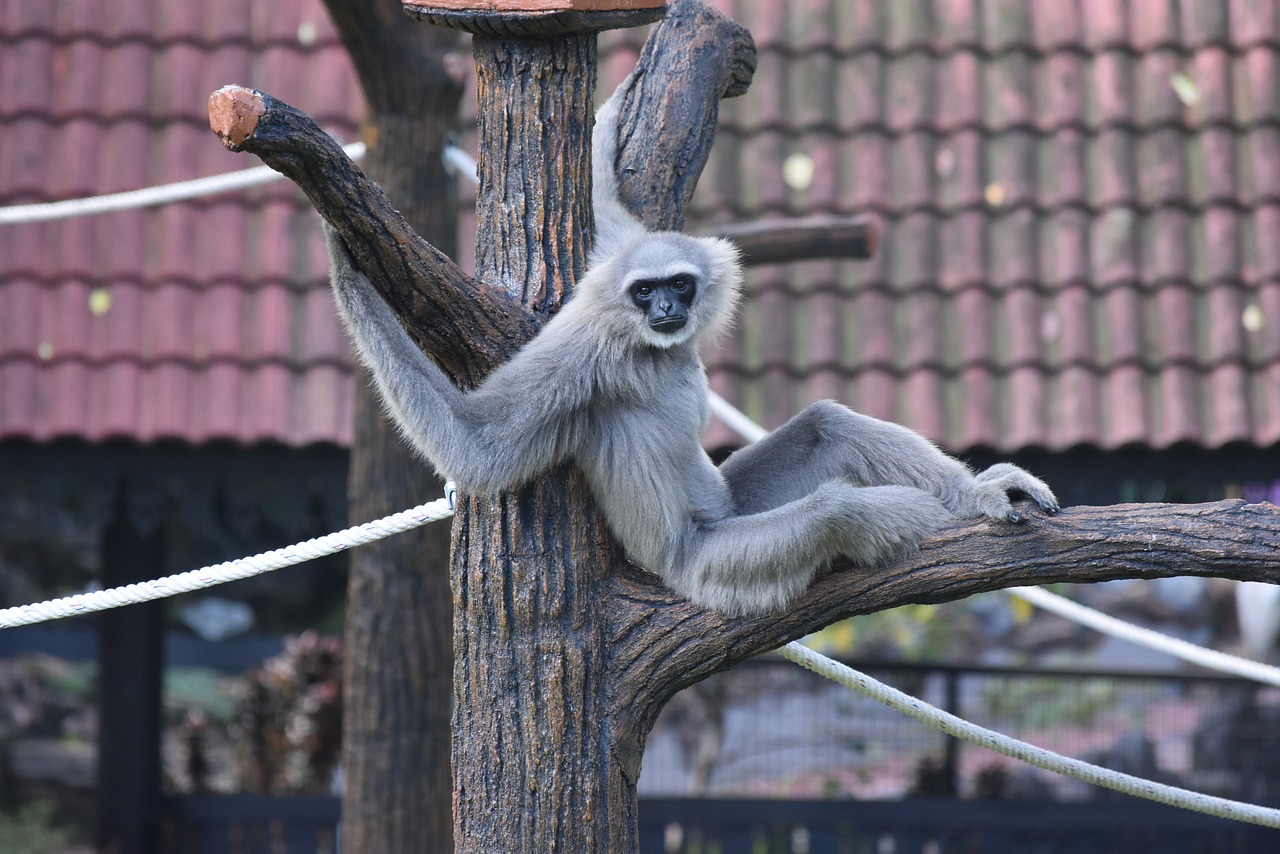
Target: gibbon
614, 383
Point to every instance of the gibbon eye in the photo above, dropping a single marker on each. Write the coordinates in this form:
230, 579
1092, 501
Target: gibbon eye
643, 291
681, 284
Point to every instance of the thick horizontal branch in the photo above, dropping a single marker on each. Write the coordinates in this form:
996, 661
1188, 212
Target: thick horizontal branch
467, 325
662, 643
773, 241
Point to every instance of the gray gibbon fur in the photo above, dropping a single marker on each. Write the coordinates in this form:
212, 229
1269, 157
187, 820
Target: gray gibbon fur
621, 392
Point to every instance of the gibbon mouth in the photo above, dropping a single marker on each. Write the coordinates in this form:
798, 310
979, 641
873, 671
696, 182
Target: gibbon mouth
672, 323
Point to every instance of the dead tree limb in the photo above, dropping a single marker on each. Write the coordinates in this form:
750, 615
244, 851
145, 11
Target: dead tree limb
771, 241
468, 325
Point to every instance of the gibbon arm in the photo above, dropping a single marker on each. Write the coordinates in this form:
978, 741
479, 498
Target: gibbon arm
495, 437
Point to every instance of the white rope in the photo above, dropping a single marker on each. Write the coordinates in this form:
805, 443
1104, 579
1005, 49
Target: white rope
735, 419
1209, 658
198, 579
150, 196
457, 161
1021, 750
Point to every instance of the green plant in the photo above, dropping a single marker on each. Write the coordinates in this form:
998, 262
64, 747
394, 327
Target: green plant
30, 829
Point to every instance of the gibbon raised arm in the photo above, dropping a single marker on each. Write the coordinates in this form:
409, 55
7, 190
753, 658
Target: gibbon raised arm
614, 383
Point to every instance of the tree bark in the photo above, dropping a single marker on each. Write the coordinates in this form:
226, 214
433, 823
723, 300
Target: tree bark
532, 772
398, 665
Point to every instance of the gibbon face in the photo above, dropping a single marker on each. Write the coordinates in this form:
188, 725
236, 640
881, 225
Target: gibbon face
666, 303
677, 287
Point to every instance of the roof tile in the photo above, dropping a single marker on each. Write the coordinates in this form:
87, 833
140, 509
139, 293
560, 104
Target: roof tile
959, 169
1061, 174
956, 23
1166, 247
1211, 164
1109, 97
1179, 415
959, 93
1260, 181
1110, 160
1154, 26
1007, 91
1253, 21
977, 428
1077, 406
908, 87
1056, 25
1006, 25
1218, 258
961, 258
125, 83
1063, 248
1114, 246
1262, 247
1009, 264
1159, 168
1204, 22
1105, 24
1025, 402
1125, 408
1267, 411
1058, 91
1256, 99
1210, 74
1121, 332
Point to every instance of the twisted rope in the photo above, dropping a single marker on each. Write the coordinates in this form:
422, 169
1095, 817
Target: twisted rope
198, 579
1185, 650
1021, 750
150, 196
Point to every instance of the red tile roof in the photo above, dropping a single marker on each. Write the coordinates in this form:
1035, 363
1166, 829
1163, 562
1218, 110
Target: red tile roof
205, 320
1078, 202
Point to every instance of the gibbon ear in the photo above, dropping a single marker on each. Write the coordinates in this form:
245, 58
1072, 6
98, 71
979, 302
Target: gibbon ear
726, 261
719, 299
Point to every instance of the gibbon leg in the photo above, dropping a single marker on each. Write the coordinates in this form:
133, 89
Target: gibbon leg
754, 563
828, 441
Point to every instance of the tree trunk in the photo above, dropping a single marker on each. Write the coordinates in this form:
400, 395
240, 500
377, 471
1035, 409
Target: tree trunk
532, 768
397, 684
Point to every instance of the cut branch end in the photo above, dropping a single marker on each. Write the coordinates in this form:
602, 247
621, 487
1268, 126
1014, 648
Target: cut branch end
233, 114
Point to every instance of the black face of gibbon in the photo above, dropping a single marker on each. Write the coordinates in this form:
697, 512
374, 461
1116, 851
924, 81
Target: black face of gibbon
665, 302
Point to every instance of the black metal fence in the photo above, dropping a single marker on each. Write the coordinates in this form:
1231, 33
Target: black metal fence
938, 826
768, 729
250, 824
771, 758
244, 824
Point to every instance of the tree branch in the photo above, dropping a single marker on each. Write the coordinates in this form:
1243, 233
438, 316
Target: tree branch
665, 644
693, 57
772, 241
468, 325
